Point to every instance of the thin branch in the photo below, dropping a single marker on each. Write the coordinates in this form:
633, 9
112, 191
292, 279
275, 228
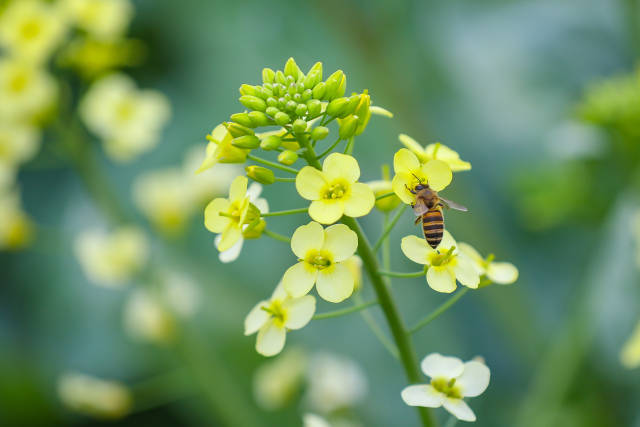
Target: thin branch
279, 179
272, 164
287, 212
402, 275
276, 236
385, 195
389, 227
328, 150
438, 311
344, 311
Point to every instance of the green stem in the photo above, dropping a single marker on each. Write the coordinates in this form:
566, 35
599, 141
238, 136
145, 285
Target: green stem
272, 164
386, 248
309, 152
403, 340
385, 195
328, 150
349, 148
402, 275
438, 311
287, 212
276, 236
377, 330
389, 227
344, 311
279, 179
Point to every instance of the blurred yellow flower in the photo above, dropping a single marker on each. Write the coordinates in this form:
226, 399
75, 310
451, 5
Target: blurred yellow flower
381, 187
435, 151
220, 150
276, 382
18, 143
16, 229
503, 273
354, 264
31, 29
91, 57
103, 19
410, 172
272, 318
446, 263
322, 254
112, 259
334, 191
93, 396
26, 91
630, 354
128, 120
451, 381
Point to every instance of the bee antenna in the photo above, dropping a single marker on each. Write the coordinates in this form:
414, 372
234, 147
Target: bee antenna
414, 175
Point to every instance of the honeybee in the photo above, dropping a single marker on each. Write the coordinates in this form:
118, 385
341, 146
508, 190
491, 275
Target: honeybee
428, 208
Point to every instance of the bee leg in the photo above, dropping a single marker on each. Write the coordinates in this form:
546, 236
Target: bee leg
417, 221
410, 190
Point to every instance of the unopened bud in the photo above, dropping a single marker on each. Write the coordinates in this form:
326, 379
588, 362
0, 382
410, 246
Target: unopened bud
242, 118
319, 132
319, 90
314, 108
337, 106
282, 118
292, 69
299, 126
280, 78
348, 127
260, 174
314, 76
301, 110
237, 130
268, 75
354, 100
246, 141
253, 102
306, 95
258, 118
254, 229
336, 85
291, 105
246, 89
271, 142
288, 157
272, 111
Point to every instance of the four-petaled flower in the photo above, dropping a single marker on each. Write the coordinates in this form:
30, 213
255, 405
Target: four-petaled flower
503, 273
435, 151
272, 318
220, 150
451, 381
321, 253
410, 172
334, 191
446, 263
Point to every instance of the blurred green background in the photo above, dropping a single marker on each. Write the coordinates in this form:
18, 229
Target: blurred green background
495, 80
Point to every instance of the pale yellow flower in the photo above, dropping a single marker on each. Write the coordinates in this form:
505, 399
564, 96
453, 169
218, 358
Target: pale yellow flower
410, 172
18, 143
26, 91
272, 318
16, 229
630, 354
334, 191
112, 259
220, 150
321, 253
92, 57
380, 187
446, 263
93, 396
276, 382
503, 273
103, 19
31, 29
435, 151
128, 120
211, 183
313, 420
451, 381
354, 264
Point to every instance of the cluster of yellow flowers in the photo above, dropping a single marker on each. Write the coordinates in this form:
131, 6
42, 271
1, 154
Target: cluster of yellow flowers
300, 107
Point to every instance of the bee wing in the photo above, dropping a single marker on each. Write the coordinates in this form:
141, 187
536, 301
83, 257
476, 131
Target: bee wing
420, 207
453, 205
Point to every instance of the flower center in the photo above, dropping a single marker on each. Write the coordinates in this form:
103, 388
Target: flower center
18, 82
335, 190
319, 259
441, 259
30, 29
447, 387
125, 110
278, 312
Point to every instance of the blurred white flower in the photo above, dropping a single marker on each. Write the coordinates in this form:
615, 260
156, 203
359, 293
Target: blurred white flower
31, 29
26, 91
128, 120
18, 143
451, 381
313, 420
103, 19
503, 273
112, 259
93, 396
630, 354
16, 230
277, 381
335, 382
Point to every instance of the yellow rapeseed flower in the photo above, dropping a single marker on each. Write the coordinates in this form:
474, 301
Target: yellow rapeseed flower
446, 263
220, 150
435, 151
94, 396
103, 19
16, 229
26, 90
410, 172
18, 143
334, 191
503, 273
322, 254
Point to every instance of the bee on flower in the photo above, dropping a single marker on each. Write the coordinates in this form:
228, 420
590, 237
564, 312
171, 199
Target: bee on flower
272, 318
503, 273
451, 381
94, 396
409, 173
435, 151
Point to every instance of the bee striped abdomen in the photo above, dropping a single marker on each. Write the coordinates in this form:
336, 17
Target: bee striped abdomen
433, 226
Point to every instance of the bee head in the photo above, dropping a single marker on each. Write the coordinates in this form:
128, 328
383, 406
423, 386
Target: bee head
420, 187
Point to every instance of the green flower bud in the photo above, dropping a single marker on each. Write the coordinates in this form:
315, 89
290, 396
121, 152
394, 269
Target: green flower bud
246, 89
337, 106
271, 142
299, 126
254, 229
363, 111
314, 108
282, 118
301, 110
287, 97
272, 111
260, 174
297, 97
243, 119
299, 87
237, 130
306, 95
253, 216
280, 78
268, 86
319, 132
314, 76
291, 105
253, 102
263, 92
246, 141
354, 100
268, 75
272, 102
288, 157
292, 69
336, 85
289, 80
348, 127
319, 90
258, 118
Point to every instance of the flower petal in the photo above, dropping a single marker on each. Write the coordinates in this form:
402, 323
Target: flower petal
299, 279
412, 145
340, 241
361, 200
416, 249
230, 254
465, 271
459, 409
447, 242
326, 211
238, 189
503, 273
338, 165
422, 395
475, 379
436, 365
399, 184
405, 161
335, 283
438, 174
307, 237
256, 318
215, 222
309, 182
229, 237
441, 279
299, 311
476, 258
270, 339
